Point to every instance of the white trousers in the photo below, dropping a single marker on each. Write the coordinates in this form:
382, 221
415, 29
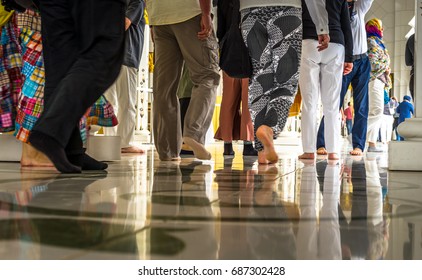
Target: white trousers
122, 96
321, 73
318, 234
387, 128
376, 109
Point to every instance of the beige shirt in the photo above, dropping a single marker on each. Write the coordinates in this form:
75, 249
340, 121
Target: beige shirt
163, 12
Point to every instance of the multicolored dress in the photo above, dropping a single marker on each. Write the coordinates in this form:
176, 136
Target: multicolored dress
22, 90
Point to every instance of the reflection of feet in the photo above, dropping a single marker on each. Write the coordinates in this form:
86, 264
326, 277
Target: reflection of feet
33, 158
265, 135
171, 159
198, 149
307, 156
322, 151
333, 156
356, 152
52, 149
375, 150
132, 150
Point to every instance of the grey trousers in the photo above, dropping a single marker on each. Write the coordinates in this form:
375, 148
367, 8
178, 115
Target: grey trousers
175, 44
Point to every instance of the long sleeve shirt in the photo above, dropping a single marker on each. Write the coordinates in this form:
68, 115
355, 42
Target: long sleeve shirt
357, 21
405, 110
316, 9
338, 22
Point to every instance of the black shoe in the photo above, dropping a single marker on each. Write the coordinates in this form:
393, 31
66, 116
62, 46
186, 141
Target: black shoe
86, 162
248, 150
228, 149
53, 150
186, 152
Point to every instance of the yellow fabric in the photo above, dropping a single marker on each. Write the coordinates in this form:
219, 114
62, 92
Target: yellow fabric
146, 17
163, 12
297, 104
4, 16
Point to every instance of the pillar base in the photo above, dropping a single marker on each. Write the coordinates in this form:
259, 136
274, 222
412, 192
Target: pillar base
407, 155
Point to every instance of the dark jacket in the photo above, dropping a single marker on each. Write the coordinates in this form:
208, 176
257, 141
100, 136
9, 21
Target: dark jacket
135, 34
338, 23
410, 52
224, 16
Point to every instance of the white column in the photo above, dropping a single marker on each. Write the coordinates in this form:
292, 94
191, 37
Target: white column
407, 155
143, 91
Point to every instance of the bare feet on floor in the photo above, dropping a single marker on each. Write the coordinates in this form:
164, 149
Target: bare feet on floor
307, 156
356, 152
322, 151
268, 155
132, 150
34, 158
198, 149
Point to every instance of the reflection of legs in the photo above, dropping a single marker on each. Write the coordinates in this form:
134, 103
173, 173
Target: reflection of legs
307, 243
329, 229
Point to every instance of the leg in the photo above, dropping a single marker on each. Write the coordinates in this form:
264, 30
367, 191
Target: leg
229, 128
375, 112
309, 82
167, 72
360, 98
127, 119
205, 77
344, 88
272, 87
75, 78
331, 83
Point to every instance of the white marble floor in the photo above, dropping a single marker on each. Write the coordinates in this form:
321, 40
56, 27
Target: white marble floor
225, 208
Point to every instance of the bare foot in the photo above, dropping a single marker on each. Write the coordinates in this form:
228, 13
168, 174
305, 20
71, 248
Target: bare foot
307, 156
265, 135
333, 156
262, 157
322, 151
132, 150
198, 148
356, 152
34, 158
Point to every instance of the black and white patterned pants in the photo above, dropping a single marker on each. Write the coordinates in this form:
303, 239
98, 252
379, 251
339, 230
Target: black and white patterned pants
273, 36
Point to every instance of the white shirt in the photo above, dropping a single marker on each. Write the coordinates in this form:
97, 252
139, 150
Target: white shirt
360, 44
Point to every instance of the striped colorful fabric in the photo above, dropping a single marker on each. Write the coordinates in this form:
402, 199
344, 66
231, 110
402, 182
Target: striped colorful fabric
10, 76
31, 102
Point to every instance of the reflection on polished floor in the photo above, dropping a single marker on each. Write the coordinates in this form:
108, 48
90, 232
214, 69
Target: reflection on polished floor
227, 208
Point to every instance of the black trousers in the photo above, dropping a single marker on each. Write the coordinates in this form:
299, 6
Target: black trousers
83, 48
